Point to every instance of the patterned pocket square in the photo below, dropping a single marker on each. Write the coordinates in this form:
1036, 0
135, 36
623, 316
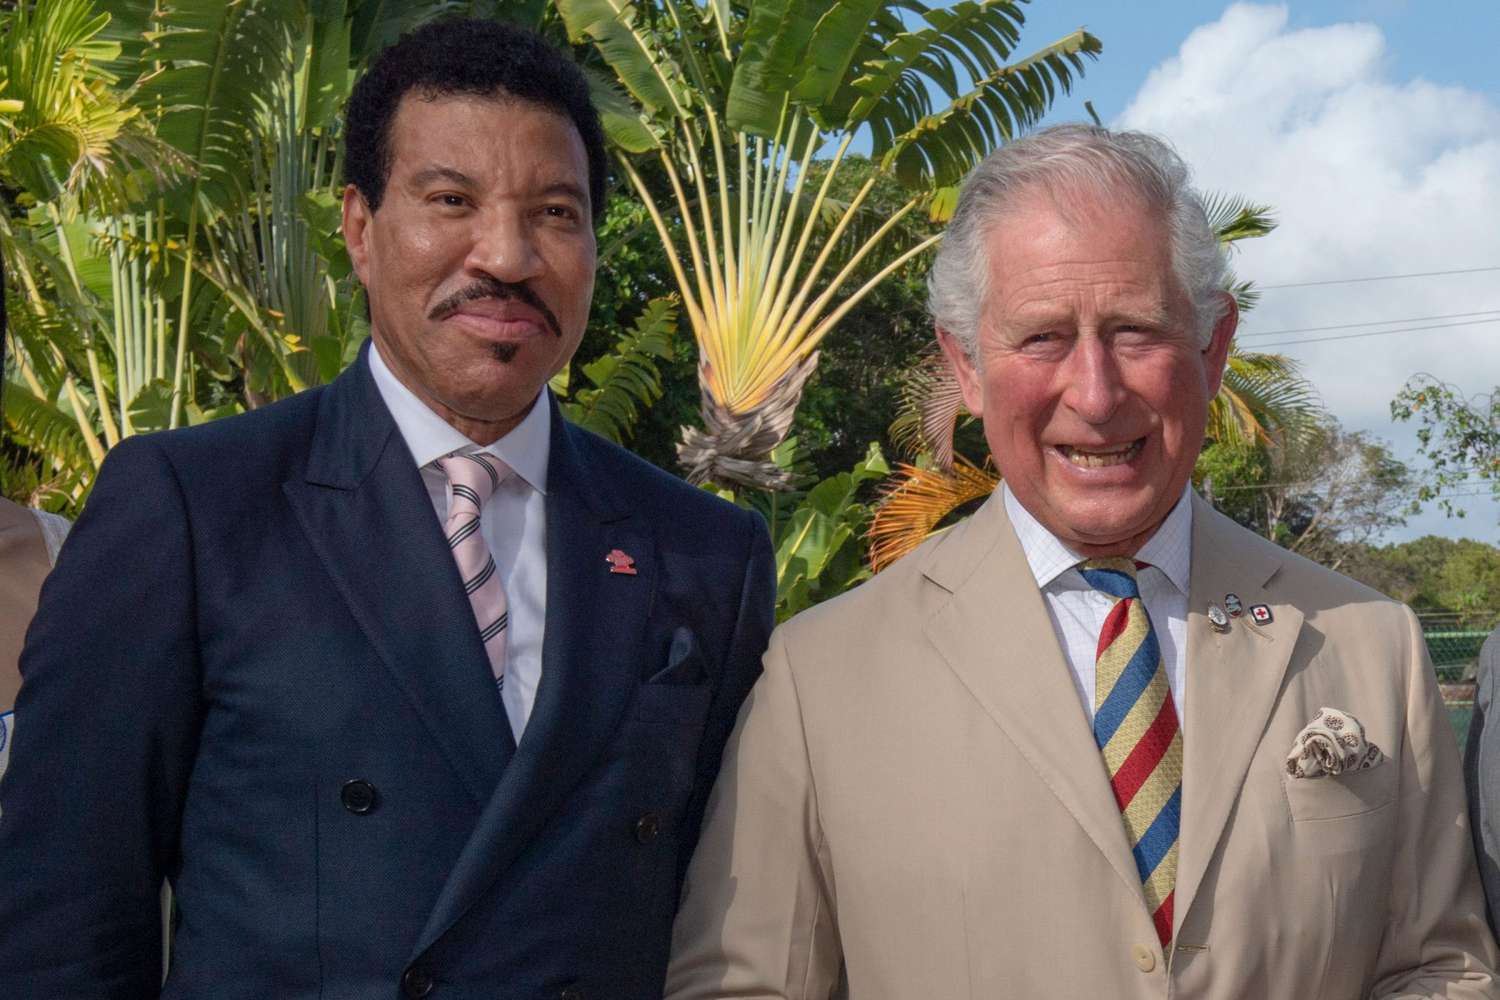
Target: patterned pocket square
1332, 743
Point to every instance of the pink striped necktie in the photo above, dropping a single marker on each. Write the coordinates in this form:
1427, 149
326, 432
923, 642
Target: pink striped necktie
473, 477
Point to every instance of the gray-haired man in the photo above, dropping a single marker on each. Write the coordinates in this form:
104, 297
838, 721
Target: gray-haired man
1097, 741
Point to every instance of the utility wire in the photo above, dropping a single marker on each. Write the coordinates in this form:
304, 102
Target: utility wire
1374, 333
1355, 326
1380, 277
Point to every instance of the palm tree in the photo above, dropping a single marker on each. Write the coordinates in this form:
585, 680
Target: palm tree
76, 148
717, 114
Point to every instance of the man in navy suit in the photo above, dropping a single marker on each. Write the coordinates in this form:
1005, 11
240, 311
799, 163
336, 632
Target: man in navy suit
405, 685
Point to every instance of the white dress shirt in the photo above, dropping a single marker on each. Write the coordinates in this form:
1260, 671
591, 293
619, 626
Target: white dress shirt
1078, 610
513, 521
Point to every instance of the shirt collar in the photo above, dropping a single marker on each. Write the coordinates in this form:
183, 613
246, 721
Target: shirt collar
1169, 549
526, 449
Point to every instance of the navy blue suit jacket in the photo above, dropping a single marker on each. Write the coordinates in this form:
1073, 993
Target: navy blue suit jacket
254, 613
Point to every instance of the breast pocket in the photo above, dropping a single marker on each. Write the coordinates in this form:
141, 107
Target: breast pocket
1339, 813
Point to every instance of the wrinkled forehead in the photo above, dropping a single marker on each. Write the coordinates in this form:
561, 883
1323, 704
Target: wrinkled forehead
1078, 203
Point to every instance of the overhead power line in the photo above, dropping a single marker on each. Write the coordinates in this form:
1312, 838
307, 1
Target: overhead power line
1369, 322
1379, 277
1374, 333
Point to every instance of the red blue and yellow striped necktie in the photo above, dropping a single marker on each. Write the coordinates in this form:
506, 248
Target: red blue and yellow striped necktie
1135, 726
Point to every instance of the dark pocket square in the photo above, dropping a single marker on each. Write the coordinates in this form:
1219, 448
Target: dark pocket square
684, 660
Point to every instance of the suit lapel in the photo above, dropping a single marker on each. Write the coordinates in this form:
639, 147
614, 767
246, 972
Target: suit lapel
1233, 679
369, 519
995, 634
591, 667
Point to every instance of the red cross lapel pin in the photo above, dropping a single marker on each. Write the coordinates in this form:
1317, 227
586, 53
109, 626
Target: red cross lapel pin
620, 562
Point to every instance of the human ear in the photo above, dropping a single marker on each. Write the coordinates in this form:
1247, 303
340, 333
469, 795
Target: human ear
1216, 352
356, 224
970, 385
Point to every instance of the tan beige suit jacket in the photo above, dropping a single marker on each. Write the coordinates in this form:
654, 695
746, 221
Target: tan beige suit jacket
24, 563
913, 807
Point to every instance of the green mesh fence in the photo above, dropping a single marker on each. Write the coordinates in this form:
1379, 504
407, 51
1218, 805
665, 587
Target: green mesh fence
1454, 653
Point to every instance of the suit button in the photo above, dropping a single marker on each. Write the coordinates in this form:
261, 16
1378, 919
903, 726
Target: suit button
647, 827
1144, 958
359, 797
416, 982
569, 993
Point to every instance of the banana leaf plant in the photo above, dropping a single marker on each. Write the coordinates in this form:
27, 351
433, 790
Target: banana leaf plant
717, 112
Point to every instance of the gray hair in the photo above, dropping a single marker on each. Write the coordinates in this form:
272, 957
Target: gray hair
1073, 159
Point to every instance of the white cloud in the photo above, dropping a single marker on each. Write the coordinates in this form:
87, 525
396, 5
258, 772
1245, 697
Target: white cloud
1368, 175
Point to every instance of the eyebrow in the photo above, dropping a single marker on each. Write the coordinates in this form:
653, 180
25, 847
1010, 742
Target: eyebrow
431, 174
567, 188
1151, 317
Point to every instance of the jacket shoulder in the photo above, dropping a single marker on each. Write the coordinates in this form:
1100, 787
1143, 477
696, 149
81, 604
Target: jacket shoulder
242, 437
648, 487
1296, 574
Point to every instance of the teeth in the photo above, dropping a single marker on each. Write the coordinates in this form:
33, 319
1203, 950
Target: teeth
1100, 459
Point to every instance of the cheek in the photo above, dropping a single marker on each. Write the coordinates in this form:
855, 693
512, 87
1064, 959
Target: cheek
1019, 403
1182, 398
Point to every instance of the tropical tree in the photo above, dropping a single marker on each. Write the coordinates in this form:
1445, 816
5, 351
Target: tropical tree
1318, 489
70, 145
171, 179
718, 113
1459, 436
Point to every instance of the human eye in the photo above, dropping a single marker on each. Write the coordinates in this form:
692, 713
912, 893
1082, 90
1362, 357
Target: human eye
562, 212
1042, 343
1137, 332
449, 200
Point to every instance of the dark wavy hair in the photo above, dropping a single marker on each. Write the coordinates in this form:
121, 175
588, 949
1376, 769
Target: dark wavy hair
465, 56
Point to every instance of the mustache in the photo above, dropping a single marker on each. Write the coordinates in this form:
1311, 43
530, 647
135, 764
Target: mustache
494, 288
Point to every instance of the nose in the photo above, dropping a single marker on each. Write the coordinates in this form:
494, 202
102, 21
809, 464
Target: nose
503, 247
1093, 387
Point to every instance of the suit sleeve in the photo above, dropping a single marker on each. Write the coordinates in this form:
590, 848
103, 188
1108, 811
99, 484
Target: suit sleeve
1481, 761
92, 802
758, 917
747, 643
1437, 942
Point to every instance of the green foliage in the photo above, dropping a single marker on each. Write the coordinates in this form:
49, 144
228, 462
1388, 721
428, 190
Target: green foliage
170, 212
1458, 435
627, 380
47, 430
1318, 490
217, 57
1453, 581
736, 110
1233, 477
817, 533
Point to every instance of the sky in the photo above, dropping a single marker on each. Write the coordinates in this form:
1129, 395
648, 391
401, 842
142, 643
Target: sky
1372, 128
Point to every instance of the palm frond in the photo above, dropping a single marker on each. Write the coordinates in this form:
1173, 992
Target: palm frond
961, 56
46, 429
627, 380
931, 405
1235, 218
217, 57
1260, 394
917, 501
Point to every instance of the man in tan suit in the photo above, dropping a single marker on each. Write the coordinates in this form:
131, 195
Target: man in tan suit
1098, 741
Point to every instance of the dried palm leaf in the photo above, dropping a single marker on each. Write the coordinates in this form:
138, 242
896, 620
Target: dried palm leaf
917, 501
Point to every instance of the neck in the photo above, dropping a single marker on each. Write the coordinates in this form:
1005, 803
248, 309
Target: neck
481, 430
